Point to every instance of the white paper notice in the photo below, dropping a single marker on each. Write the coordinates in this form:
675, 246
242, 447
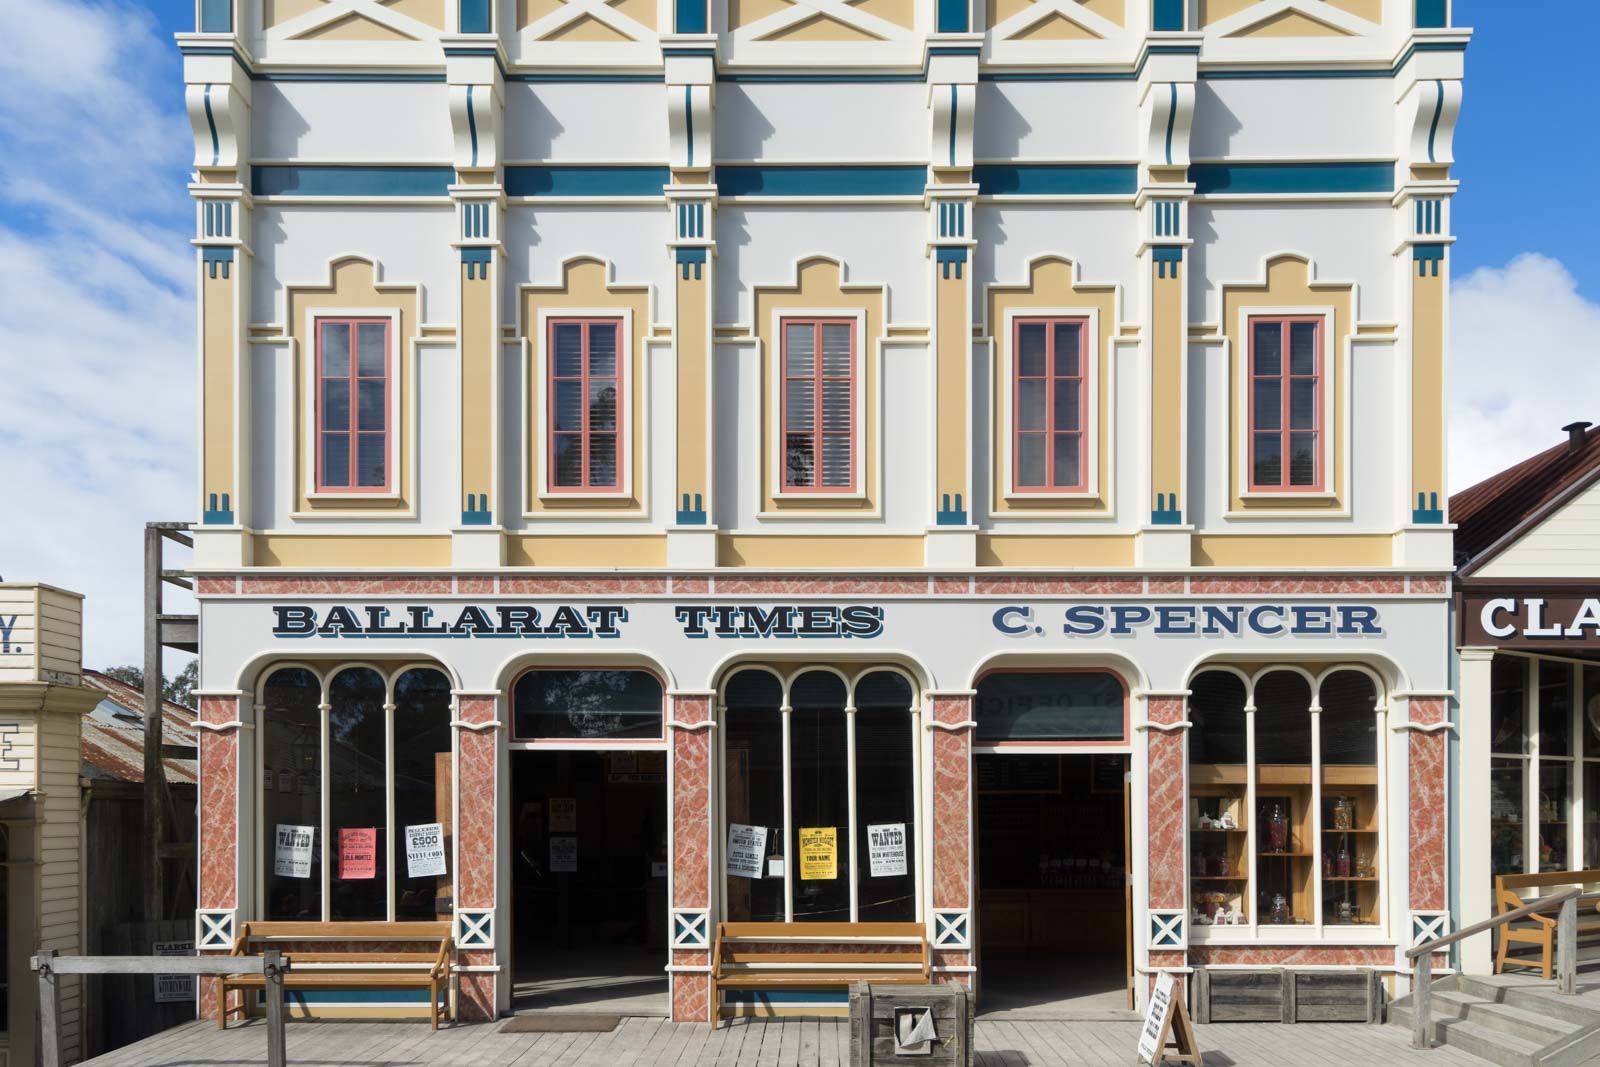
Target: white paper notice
886, 849
746, 846
424, 850
293, 856
775, 867
1157, 1017
563, 854
174, 988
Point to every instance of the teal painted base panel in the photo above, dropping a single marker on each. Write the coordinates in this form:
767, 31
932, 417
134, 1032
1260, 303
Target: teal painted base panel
785, 998
351, 998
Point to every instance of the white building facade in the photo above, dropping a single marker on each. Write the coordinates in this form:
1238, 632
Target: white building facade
1010, 394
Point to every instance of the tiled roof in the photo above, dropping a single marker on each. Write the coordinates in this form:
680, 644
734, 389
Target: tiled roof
113, 734
1500, 503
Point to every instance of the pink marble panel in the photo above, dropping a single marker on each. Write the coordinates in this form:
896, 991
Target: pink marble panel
952, 808
1429, 584
216, 585
475, 787
1166, 805
582, 586
219, 805
691, 998
952, 586
689, 586
786, 586
952, 957
1167, 959
475, 1000
1428, 808
1351, 585
691, 805
415, 586
1292, 955
1168, 586
475, 586
1088, 585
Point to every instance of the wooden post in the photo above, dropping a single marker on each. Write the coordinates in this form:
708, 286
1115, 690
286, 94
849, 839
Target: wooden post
1421, 979
155, 801
272, 970
1567, 947
49, 1009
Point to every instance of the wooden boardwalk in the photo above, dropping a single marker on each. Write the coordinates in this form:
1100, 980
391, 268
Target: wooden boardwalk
786, 1043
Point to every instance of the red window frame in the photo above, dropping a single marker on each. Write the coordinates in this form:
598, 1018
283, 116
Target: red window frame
815, 381
586, 434
352, 430
1050, 378
1285, 431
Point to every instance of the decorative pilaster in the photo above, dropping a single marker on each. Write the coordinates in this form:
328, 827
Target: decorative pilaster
477, 758
217, 95
953, 869
693, 848
217, 727
476, 109
692, 199
1474, 872
1165, 831
951, 199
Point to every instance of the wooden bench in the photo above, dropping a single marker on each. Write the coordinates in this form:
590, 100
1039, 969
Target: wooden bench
1537, 929
330, 956
803, 955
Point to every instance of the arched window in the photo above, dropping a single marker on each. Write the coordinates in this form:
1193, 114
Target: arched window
820, 785
586, 705
1285, 812
373, 750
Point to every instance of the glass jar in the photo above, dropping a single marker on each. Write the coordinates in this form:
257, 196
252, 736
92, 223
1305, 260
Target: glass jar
1280, 909
1341, 861
1277, 828
1344, 814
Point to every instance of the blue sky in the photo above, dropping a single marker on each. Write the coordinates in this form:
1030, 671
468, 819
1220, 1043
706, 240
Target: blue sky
97, 362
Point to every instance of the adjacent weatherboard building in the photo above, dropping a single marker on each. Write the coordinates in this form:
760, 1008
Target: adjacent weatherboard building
978, 464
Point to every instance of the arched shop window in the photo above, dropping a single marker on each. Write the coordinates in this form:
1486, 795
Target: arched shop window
1286, 803
820, 787
587, 705
361, 744
1043, 706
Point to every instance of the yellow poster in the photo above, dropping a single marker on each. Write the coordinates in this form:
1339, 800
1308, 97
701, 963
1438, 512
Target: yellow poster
819, 853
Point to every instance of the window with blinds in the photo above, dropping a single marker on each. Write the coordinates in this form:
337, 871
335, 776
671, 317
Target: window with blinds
819, 405
1050, 406
353, 383
585, 398
1286, 404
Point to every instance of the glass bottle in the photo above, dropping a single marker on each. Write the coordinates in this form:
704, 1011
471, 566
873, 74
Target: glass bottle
1280, 909
1341, 860
1363, 865
1277, 828
1343, 814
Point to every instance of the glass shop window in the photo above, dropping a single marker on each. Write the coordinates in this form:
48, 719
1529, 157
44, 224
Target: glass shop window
587, 705
1050, 706
1508, 764
291, 794
812, 833
357, 796
423, 787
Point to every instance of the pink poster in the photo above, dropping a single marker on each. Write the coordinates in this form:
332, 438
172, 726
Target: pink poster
358, 852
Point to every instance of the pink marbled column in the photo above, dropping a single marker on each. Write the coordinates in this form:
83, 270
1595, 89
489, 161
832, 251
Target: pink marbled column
1428, 807
1168, 960
475, 841
219, 819
1164, 838
691, 845
952, 802
1291, 955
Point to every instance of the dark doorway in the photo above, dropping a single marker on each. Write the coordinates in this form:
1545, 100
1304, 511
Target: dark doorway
1052, 885
588, 883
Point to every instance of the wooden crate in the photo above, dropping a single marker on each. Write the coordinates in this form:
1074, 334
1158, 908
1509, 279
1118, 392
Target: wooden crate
1287, 996
872, 1012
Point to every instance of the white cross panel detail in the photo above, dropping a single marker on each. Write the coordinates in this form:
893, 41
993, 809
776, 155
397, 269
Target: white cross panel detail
1324, 13
952, 929
475, 929
1166, 930
1428, 926
332, 11
799, 11
691, 928
1070, 10
215, 928
572, 10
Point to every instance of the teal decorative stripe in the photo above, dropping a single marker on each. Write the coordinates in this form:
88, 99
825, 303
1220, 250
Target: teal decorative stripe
689, 16
216, 16
1225, 74
1167, 15
951, 16
329, 998
766, 997
1264, 178
297, 180
1432, 14
475, 16
542, 78
827, 79
1056, 179
882, 180
586, 181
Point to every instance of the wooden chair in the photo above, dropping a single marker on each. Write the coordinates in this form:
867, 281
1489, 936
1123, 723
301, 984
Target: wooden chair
775, 956
1537, 929
330, 956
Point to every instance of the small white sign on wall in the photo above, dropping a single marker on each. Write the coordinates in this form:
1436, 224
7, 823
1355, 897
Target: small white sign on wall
886, 849
292, 858
746, 846
425, 850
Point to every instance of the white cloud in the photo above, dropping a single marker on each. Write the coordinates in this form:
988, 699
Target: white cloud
97, 327
1524, 361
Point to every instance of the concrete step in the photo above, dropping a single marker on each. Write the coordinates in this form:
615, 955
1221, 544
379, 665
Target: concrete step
1507, 1019
1480, 1039
1539, 997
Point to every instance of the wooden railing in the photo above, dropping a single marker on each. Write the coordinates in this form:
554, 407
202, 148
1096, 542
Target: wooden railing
1421, 957
270, 965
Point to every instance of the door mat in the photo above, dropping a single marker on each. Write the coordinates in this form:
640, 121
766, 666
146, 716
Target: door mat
549, 1022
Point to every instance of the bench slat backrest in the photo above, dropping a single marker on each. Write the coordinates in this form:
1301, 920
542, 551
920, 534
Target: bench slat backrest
864, 932
1547, 880
255, 935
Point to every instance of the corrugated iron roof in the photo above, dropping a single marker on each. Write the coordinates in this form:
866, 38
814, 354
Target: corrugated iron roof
1495, 507
113, 734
